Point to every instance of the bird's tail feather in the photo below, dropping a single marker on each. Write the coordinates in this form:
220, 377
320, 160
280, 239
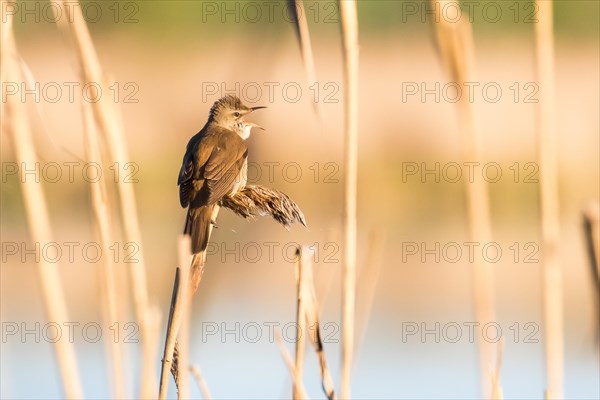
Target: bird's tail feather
197, 225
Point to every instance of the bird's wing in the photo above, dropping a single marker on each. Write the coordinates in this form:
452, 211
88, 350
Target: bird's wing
224, 165
197, 153
185, 180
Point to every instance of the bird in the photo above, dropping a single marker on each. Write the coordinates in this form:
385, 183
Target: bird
214, 165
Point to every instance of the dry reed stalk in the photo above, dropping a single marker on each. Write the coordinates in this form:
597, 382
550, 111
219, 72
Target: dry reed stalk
591, 226
195, 370
168, 360
36, 210
455, 43
308, 315
368, 278
179, 303
175, 361
287, 359
302, 294
302, 33
185, 258
111, 129
549, 203
103, 222
349, 28
497, 393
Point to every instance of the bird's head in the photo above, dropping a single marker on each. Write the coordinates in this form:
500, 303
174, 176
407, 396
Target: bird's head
228, 112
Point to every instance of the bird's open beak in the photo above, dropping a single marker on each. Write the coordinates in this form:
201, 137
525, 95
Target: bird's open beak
252, 124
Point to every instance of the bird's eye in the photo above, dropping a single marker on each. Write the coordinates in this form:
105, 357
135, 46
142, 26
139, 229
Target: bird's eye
236, 114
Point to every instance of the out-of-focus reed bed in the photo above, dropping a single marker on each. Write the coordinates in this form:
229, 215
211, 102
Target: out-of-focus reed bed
107, 120
36, 210
103, 130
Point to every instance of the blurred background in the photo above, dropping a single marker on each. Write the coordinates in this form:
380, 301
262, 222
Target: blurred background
170, 60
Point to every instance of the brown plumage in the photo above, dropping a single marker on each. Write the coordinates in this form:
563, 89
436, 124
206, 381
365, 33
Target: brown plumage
214, 166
